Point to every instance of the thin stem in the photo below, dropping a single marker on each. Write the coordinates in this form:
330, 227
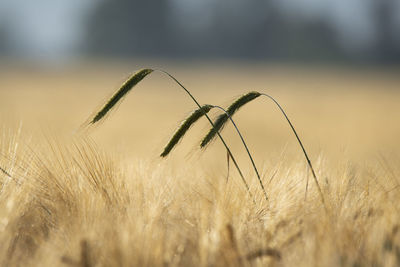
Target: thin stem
9, 175
302, 147
247, 150
5, 172
227, 164
305, 193
212, 124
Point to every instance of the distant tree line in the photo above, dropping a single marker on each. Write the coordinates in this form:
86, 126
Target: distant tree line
251, 29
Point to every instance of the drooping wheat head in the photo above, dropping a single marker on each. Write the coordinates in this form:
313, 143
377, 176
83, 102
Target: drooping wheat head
122, 91
185, 126
222, 119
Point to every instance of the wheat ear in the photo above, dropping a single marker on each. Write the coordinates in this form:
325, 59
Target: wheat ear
220, 122
185, 126
122, 91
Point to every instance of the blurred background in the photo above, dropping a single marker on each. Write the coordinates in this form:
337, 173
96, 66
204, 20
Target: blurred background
334, 66
350, 31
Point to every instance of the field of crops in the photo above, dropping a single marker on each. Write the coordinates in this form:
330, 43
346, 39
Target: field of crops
72, 195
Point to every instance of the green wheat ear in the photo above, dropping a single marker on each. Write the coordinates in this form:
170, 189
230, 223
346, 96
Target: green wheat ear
122, 91
223, 118
186, 124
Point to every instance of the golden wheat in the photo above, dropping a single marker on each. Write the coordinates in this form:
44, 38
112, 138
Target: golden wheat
106, 201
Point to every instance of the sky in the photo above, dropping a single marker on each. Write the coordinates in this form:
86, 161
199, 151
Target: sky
44, 28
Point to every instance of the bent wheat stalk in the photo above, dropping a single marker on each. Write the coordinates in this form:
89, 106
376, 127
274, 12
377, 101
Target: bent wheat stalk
235, 106
191, 119
134, 80
301, 145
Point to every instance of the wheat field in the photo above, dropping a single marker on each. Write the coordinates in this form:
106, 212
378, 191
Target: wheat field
103, 196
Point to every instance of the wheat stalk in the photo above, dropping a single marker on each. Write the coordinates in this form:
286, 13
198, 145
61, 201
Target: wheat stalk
240, 102
301, 145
